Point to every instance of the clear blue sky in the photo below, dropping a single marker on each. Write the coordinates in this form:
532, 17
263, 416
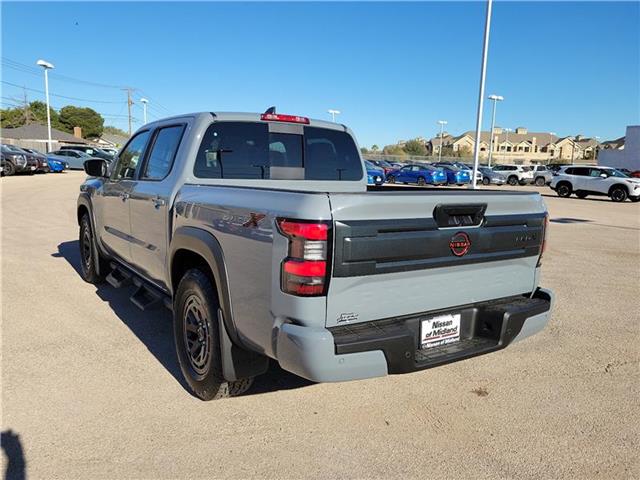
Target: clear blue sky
392, 69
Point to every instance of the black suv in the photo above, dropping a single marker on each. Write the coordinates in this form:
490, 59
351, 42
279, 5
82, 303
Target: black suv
16, 160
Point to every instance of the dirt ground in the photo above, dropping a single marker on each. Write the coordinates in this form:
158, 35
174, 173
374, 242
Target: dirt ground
91, 386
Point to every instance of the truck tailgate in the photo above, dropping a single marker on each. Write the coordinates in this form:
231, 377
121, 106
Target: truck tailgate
412, 251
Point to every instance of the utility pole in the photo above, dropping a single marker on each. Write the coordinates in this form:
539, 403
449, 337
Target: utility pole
129, 103
27, 119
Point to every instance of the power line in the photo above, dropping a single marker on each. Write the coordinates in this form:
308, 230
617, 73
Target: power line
61, 96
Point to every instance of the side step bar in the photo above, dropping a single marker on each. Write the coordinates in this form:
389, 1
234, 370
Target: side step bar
146, 296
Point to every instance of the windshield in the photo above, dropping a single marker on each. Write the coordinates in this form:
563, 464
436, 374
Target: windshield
370, 165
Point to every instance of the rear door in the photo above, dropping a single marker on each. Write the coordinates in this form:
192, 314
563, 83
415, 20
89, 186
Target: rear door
398, 253
150, 203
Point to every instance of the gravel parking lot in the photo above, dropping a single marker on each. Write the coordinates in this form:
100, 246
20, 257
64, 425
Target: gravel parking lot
91, 387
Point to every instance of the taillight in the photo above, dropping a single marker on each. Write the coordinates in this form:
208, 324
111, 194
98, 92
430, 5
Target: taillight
543, 247
305, 270
277, 117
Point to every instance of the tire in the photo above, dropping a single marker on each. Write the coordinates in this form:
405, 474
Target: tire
581, 195
197, 338
391, 179
421, 182
564, 190
89, 257
618, 194
540, 182
9, 169
512, 180
486, 181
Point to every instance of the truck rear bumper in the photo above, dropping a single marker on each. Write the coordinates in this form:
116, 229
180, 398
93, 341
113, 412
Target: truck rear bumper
374, 349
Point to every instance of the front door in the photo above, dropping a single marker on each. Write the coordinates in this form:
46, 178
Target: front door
115, 226
150, 204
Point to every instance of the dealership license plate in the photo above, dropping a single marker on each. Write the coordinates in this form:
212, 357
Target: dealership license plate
440, 330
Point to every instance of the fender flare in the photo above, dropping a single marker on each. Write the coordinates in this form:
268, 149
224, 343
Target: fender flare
203, 243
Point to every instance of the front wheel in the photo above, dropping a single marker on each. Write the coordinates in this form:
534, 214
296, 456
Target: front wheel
618, 194
9, 169
513, 181
421, 182
486, 181
563, 190
391, 179
540, 181
197, 339
90, 258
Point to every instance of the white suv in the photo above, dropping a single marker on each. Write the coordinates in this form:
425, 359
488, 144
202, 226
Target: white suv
585, 181
516, 174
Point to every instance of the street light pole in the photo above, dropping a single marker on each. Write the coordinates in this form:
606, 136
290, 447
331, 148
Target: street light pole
333, 114
496, 99
144, 102
483, 75
442, 124
47, 66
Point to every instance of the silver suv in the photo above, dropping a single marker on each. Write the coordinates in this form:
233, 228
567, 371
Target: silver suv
583, 181
516, 174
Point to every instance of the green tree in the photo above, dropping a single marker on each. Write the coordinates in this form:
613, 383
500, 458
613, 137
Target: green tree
415, 147
393, 150
363, 150
34, 112
12, 117
375, 148
89, 120
114, 131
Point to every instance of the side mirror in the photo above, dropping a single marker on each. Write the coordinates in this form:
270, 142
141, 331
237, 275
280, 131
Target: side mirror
604, 175
95, 167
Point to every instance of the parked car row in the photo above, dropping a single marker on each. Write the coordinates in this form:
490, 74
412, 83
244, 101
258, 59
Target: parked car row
28, 160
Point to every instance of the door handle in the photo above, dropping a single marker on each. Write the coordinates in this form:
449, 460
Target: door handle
124, 196
158, 202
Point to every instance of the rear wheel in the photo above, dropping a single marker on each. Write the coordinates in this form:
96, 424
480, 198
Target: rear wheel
618, 194
421, 182
581, 194
486, 181
512, 180
391, 179
564, 190
540, 181
197, 339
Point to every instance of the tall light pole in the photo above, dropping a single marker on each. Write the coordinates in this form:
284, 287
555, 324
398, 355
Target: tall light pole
442, 124
144, 102
483, 75
333, 114
47, 66
496, 99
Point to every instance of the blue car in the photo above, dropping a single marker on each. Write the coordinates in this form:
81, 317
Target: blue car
457, 176
375, 175
57, 165
419, 174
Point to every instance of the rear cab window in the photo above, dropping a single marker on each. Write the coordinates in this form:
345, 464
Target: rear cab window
248, 150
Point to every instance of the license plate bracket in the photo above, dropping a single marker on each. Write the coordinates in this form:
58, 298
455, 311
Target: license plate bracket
440, 330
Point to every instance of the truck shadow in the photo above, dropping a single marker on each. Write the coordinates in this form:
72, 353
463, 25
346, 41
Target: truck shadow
155, 330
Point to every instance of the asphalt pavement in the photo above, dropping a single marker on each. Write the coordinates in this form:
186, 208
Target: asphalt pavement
91, 387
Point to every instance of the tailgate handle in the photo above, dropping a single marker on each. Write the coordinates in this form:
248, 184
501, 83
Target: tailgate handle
461, 215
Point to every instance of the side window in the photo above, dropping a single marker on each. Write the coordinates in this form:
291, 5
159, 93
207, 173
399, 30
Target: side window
595, 172
582, 171
130, 156
163, 152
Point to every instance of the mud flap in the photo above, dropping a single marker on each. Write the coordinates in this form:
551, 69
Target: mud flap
238, 363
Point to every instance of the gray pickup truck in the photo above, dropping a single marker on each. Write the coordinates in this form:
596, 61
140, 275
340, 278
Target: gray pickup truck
260, 234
